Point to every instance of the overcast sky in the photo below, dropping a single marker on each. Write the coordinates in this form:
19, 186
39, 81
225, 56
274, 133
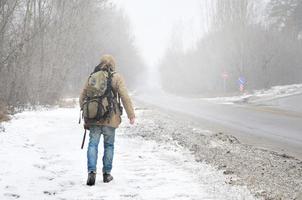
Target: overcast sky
153, 21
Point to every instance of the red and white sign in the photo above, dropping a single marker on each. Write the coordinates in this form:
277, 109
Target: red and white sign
241, 88
225, 75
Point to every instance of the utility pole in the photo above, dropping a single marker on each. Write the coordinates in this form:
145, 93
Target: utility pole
224, 76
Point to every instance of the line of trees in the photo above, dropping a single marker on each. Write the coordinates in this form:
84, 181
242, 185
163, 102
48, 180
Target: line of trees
244, 41
48, 47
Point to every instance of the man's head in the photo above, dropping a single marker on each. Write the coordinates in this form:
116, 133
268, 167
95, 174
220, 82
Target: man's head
107, 62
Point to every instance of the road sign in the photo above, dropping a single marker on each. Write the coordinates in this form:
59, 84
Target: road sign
241, 80
224, 75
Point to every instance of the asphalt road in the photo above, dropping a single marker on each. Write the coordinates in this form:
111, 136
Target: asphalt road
263, 126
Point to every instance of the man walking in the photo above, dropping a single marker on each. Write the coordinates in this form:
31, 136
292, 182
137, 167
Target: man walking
112, 109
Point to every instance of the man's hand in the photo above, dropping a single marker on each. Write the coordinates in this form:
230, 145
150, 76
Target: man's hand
86, 126
132, 120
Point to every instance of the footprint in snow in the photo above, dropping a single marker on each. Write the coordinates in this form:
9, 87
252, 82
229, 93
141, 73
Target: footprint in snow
130, 196
42, 167
11, 188
46, 178
2, 129
40, 150
51, 159
67, 184
28, 145
50, 193
12, 195
44, 158
58, 173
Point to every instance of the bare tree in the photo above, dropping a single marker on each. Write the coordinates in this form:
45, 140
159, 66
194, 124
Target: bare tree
48, 47
240, 46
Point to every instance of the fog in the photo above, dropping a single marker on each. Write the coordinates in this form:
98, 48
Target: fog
49, 47
203, 47
258, 42
211, 108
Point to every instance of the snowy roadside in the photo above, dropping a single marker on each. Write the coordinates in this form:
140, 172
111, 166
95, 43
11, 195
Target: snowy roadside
260, 96
267, 174
40, 158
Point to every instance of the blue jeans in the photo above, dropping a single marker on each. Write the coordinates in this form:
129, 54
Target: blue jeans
92, 152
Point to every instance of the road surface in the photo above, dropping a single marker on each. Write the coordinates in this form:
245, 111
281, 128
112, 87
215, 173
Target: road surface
262, 126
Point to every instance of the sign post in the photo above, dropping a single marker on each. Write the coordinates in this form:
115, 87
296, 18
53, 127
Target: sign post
241, 82
224, 76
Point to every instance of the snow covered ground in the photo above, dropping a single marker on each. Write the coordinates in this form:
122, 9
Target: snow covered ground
261, 96
41, 158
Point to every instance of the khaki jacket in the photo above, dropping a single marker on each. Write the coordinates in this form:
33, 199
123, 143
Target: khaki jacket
119, 87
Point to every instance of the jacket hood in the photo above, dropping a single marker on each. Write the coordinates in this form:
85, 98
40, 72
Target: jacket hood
107, 61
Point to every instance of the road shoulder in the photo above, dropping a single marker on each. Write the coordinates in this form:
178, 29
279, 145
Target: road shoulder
267, 174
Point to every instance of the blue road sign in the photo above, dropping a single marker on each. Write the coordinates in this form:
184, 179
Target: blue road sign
241, 80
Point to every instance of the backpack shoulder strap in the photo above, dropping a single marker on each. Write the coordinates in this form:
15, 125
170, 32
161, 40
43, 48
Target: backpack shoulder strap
116, 95
112, 73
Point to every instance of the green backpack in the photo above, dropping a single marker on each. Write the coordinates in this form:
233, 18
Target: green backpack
98, 101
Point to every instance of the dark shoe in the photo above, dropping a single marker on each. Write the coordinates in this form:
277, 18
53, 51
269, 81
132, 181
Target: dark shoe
107, 178
91, 178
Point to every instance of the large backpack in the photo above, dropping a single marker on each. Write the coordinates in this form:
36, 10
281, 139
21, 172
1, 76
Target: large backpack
98, 101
